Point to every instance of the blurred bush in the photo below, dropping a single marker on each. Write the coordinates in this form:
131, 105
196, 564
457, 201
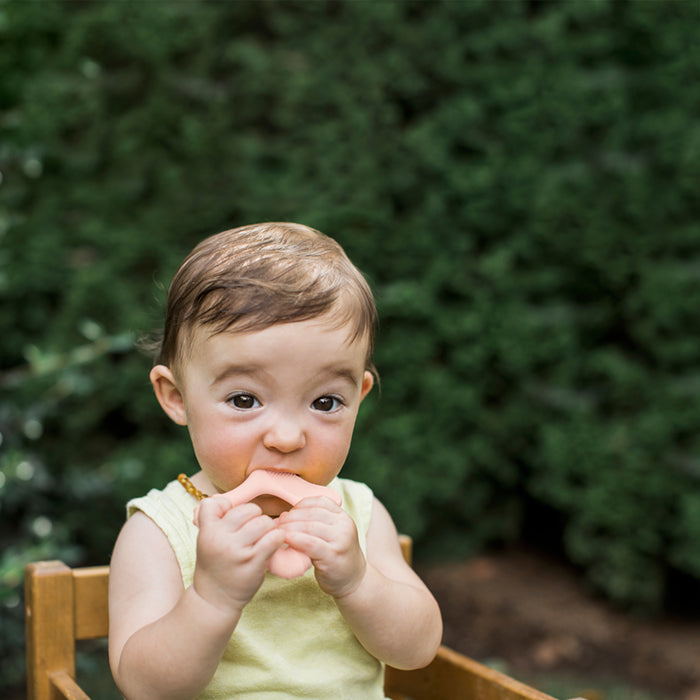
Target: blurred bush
517, 179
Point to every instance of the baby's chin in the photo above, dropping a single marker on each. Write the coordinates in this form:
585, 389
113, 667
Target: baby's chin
272, 505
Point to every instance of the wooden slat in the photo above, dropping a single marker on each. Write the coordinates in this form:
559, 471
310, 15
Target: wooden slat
49, 625
66, 687
406, 548
452, 675
91, 603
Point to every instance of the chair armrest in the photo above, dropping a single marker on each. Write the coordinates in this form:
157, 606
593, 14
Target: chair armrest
66, 686
452, 675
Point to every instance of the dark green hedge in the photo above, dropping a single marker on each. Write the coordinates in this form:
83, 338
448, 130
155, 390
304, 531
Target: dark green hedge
519, 180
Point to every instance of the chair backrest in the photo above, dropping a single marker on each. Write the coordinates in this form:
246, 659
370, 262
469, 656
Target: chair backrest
65, 605
62, 606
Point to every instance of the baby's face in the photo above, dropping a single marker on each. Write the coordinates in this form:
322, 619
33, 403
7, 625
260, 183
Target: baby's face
281, 398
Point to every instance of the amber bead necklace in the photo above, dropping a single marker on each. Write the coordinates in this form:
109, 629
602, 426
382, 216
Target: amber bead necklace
191, 488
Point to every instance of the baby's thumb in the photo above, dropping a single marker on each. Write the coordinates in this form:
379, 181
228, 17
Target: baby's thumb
211, 509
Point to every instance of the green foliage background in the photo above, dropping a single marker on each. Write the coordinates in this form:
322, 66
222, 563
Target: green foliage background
519, 181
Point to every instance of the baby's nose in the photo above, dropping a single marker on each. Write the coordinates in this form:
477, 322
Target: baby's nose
285, 434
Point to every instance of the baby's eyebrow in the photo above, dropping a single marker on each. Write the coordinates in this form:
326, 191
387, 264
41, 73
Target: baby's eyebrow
342, 373
236, 371
252, 370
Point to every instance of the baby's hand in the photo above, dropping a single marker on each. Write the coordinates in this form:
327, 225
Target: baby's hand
328, 536
233, 548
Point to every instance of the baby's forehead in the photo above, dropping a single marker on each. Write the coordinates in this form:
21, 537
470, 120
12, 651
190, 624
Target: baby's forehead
193, 337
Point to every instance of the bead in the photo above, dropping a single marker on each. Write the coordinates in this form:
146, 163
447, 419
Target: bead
191, 488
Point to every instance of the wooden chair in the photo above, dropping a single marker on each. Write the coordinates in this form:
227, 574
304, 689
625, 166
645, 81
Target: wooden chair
65, 605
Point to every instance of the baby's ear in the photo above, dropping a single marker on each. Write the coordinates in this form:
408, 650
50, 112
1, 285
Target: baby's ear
168, 395
367, 384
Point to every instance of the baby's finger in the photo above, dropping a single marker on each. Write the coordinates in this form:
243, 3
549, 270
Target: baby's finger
211, 510
217, 510
318, 502
305, 542
251, 531
269, 543
314, 527
310, 510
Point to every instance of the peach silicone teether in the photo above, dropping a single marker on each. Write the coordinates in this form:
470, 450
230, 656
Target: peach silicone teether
285, 562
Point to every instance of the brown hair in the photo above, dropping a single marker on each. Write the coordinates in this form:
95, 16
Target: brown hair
256, 276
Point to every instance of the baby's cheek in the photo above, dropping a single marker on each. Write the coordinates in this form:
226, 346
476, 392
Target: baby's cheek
217, 454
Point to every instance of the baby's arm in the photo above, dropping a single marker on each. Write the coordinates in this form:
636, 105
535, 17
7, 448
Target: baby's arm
391, 611
166, 641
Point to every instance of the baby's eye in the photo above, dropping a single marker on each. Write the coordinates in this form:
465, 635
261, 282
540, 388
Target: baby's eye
244, 401
327, 404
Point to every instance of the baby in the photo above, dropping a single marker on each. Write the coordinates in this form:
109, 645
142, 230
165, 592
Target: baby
265, 357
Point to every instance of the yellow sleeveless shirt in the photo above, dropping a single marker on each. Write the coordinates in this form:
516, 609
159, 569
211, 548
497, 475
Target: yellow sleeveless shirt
291, 641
